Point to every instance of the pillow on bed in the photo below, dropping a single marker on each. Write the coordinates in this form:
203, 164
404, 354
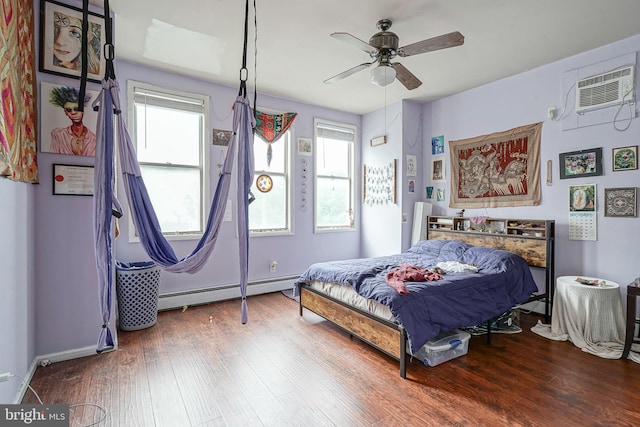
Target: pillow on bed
490, 259
444, 250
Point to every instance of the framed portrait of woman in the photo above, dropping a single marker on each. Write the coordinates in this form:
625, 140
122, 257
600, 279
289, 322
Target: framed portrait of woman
61, 41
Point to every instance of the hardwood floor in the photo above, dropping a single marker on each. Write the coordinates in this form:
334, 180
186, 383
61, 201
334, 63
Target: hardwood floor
283, 370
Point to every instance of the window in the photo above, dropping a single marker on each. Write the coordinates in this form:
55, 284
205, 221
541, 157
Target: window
334, 176
169, 129
270, 212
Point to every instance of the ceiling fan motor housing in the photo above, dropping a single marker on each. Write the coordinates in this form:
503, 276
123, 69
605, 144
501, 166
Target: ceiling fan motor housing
386, 42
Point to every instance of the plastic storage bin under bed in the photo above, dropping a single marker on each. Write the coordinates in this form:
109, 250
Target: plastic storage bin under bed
446, 346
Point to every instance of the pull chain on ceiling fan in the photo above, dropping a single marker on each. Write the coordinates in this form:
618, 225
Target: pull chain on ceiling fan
383, 48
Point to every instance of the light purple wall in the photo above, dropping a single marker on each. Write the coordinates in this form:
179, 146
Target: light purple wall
16, 284
412, 143
382, 224
387, 229
524, 99
294, 252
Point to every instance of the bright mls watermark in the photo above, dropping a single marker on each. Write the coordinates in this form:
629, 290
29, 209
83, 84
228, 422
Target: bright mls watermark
34, 415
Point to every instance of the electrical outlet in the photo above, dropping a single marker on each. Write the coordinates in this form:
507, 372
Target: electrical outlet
273, 266
551, 112
5, 377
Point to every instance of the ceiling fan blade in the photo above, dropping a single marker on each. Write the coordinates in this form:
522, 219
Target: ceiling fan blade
349, 72
429, 45
355, 42
405, 76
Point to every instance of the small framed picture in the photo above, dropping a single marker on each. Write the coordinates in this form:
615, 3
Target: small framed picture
222, 137
621, 202
305, 147
440, 195
437, 169
579, 164
625, 158
437, 144
61, 41
72, 180
378, 140
429, 192
412, 165
582, 198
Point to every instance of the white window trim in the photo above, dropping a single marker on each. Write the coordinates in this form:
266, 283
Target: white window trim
354, 177
290, 184
205, 152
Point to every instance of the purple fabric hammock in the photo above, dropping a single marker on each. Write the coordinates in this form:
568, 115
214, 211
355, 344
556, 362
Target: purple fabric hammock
143, 215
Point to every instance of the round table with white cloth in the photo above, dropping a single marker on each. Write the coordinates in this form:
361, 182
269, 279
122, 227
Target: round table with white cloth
590, 316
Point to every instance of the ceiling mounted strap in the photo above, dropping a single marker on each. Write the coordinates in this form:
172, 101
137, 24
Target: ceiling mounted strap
109, 50
243, 71
84, 54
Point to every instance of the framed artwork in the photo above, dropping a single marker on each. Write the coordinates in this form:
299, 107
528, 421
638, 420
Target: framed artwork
378, 140
437, 144
579, 164
437, 169
412, 186
440, 195
621, 202
582, 198
64, 129
72, 180
61, 41
305, 148
221, 137
625, 158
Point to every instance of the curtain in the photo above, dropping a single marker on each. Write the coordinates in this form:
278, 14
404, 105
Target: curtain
18, 125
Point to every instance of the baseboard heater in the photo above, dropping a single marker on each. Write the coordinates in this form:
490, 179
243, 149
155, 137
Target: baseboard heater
170, 301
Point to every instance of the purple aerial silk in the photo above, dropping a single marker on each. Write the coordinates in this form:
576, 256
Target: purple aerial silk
143, 215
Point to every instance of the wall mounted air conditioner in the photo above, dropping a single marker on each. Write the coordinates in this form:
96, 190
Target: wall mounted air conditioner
605, 90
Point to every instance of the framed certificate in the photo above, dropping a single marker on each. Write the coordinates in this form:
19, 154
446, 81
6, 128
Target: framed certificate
74, 180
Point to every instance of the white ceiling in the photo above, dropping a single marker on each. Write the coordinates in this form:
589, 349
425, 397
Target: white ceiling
295, 52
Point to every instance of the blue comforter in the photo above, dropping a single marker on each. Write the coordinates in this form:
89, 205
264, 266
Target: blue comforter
457, 300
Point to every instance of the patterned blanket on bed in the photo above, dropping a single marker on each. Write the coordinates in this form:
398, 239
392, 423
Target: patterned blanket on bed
502, 281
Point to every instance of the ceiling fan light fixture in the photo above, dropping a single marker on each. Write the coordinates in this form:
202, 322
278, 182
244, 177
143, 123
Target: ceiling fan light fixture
383, 75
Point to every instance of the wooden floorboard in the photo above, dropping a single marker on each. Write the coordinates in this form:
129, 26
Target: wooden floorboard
202, 367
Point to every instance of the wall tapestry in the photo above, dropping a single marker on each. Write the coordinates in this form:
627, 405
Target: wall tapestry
499, 169
379, 184
17, 84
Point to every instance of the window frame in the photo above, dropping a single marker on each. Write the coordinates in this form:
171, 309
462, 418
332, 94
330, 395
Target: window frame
288, 230
352, 176
134, 87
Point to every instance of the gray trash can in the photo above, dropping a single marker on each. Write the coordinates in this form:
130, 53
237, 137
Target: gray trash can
137, 286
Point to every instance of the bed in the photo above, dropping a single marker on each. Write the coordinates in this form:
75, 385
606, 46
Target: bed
354, 295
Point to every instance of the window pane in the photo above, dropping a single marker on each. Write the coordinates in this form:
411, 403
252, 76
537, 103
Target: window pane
175, 195
278, 154
333, 157
165, 135
269, 210
333, 202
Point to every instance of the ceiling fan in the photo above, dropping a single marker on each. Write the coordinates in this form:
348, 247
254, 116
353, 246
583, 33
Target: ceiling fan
383, 47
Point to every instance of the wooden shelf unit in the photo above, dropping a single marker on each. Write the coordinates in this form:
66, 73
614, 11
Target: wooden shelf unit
536, 228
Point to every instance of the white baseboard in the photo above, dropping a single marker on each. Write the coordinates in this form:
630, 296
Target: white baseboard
48, 359
221, 293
